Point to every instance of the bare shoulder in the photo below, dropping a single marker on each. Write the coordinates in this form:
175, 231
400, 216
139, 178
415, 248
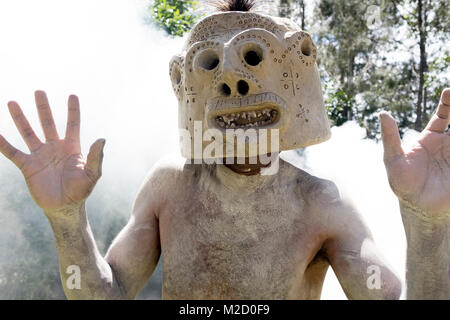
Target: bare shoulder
316, 191
337, 214
170, 173
165, 171
161, 184
323, 196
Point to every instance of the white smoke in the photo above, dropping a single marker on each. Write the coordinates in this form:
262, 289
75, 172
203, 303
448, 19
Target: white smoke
103, 52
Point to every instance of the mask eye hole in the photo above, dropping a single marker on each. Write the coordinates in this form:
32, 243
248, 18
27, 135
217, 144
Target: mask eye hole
306, 47
252, 58
253, 55
208, 60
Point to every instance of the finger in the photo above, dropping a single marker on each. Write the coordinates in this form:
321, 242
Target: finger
73, 119
22, 124
441, 118
95, 159
391, 137
46, 117
13, 154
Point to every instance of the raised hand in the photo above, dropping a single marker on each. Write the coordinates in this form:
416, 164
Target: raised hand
421, 176
55, 172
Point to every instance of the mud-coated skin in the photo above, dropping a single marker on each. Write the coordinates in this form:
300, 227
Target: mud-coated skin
228, 239
272, 237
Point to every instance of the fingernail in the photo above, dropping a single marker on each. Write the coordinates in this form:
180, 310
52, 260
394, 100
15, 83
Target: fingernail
446, 99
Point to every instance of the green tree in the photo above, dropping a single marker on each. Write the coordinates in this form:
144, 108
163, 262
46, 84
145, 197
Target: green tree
295, 10
382, 54
174, 16
347, 47
428, 23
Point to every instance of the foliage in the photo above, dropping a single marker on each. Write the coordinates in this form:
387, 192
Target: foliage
295, 10
339, 105
347, 46
370, 65
174, 16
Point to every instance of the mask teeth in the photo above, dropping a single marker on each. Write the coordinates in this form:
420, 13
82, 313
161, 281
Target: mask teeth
247, 119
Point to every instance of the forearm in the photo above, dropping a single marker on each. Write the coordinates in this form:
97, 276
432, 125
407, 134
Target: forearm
428, 253
78, 251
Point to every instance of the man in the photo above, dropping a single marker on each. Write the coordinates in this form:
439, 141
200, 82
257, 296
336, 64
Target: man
245, 225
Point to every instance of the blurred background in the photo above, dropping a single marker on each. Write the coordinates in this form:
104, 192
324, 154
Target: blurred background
114, 54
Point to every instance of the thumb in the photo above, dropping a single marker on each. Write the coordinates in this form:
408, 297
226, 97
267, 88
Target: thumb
390, 136
95, 159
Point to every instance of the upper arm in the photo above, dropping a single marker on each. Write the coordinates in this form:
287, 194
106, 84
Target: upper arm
135, 252
359, 266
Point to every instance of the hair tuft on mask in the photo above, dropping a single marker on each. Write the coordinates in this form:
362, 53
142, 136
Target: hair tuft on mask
233, 5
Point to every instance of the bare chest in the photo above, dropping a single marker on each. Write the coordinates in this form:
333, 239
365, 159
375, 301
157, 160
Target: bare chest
220, 246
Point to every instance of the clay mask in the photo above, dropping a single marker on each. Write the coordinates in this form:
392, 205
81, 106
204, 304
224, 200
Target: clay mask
243, 70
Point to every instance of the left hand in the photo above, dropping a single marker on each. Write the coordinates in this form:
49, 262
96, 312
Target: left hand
421, 175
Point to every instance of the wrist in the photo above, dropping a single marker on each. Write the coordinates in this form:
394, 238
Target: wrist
428, 253
69, 225
427, 235
71, 214
424, 231
417, 216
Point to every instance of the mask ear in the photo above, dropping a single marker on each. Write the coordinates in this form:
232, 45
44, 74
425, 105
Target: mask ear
176, 74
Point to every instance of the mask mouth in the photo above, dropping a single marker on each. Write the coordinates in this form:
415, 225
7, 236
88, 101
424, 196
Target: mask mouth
258, 117
253, 111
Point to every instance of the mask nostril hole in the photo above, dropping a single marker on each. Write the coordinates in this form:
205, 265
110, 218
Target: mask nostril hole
225, 90
243, 87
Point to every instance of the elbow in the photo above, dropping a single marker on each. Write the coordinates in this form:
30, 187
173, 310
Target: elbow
393, 288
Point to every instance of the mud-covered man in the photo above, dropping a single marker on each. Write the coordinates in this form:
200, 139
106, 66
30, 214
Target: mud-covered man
229, 225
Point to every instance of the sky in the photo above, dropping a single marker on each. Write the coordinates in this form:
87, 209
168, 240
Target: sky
118, 66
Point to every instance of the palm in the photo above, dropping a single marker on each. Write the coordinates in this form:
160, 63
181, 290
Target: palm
421, 175
55, 175
55, 171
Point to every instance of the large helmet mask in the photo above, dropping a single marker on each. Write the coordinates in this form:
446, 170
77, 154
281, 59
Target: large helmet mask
243, 70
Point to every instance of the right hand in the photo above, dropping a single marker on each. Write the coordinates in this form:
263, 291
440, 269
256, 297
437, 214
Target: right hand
55, 172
